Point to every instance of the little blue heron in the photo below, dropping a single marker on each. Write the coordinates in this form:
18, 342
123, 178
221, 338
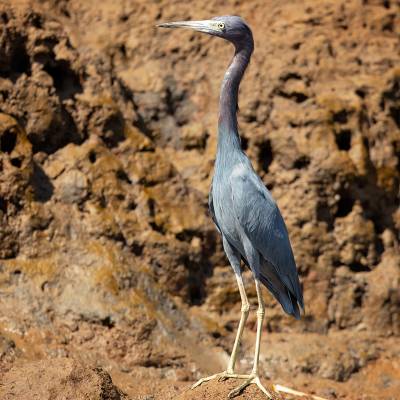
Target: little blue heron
243, 210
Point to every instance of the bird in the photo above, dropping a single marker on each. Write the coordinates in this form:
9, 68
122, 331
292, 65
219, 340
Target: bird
242, 208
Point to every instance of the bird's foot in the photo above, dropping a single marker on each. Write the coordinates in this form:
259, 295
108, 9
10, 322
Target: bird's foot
221, 376
253, 379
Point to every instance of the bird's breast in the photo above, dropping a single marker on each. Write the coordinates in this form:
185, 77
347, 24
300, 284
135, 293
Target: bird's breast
223, 209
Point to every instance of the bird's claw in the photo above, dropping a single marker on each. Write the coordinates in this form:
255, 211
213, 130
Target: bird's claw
208, 378
249, 379
221, 376
252, 379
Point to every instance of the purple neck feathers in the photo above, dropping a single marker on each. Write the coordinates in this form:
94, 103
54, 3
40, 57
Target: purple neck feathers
228, 102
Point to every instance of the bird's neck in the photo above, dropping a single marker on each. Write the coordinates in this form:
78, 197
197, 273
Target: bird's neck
228, 136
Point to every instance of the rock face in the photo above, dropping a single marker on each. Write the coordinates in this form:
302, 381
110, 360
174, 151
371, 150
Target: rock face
59, 379
107, 142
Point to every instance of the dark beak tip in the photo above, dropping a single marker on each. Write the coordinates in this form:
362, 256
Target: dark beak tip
164, 25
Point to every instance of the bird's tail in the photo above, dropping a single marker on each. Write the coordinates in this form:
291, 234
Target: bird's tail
289, 300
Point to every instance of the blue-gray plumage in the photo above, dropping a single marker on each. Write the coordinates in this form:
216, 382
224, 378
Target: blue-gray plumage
242, 208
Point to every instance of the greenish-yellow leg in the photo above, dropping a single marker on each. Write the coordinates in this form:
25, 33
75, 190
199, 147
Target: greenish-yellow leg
243, 318
229, 373
254, 378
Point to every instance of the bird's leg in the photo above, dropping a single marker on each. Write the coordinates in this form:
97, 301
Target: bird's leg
243, 317
260, 319
234, 259
254, 378
229, 373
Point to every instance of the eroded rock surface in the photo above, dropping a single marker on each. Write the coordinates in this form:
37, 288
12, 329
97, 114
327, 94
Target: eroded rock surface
107, 139
58, 379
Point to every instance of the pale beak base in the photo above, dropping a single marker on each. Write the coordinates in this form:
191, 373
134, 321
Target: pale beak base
206, 26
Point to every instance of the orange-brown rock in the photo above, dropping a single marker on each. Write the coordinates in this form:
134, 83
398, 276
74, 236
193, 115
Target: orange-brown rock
107, 143
58, 379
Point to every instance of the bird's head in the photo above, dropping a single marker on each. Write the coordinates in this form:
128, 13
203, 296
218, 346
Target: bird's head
229, 27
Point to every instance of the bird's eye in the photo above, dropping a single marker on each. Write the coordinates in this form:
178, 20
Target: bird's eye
221, 25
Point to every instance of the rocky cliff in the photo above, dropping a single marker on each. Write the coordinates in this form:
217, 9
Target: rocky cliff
107, 138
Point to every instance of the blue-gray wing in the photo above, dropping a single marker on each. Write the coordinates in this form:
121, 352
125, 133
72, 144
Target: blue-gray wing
262, 222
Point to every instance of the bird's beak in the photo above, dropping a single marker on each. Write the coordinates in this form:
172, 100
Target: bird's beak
206, 26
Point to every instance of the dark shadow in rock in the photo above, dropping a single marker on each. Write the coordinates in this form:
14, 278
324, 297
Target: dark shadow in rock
122, 176
15, 61
3, 205
341, 117
4, 18
298, 97
160, 114
358, 267
107, 322
379, 205
157, 228
392, 96
198, 272
361, 92
379, 247
65, 80
137, 248
60, 133
139, 121
290, 75
323, 213
244, 141
186, 235
302, 162
114, 130
199, 267
343, 139
177, 101
16, 162
265, 155
36, 20
141, 125
393, 93
43, 189
92, 156
8, 140
345, 204
151, 204
395, 114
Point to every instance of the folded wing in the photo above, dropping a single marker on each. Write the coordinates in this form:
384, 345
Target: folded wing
262, 222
